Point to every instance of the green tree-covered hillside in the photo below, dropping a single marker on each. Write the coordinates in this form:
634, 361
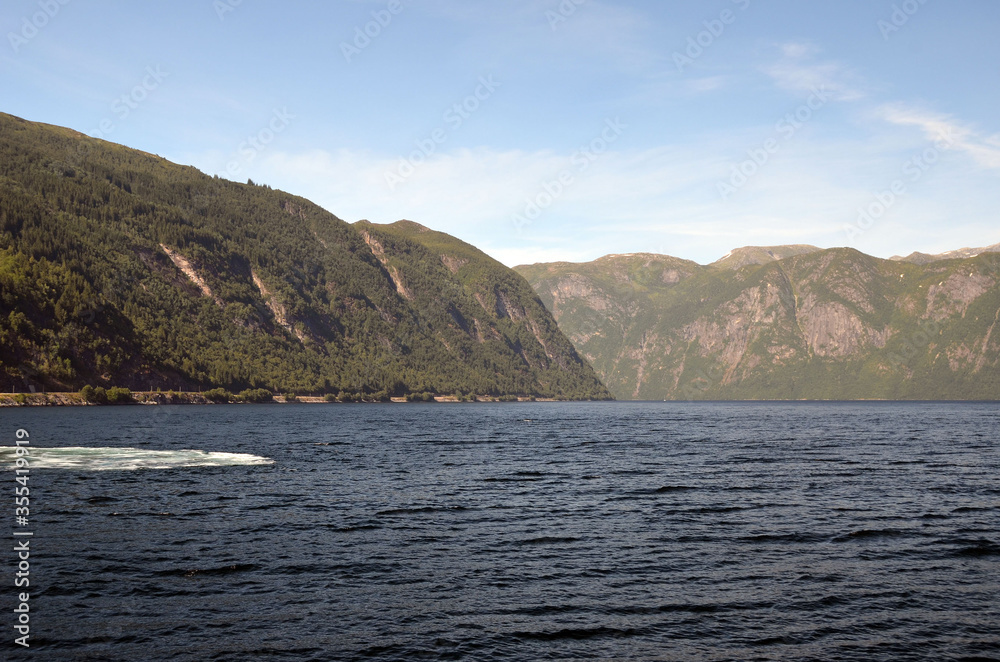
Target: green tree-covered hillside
118, 267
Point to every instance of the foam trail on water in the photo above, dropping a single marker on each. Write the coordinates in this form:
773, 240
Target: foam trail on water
126, 459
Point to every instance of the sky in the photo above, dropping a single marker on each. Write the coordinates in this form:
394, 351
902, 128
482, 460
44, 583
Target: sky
553, 130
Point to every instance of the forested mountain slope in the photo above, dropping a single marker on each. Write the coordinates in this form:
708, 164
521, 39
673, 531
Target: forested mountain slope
119, 267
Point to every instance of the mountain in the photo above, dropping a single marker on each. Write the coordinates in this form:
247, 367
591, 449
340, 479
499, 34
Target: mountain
742, 257
820, 324
924, 258
118, 267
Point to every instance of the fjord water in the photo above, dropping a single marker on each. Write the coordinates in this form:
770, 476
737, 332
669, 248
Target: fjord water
641, 531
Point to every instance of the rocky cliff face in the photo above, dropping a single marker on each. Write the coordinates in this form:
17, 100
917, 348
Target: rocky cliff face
489, 308
824, 324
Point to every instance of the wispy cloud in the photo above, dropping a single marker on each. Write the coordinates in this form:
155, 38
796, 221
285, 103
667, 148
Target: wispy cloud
985, 150
658, 199
798, 71
664, 198
798, 50
707, 84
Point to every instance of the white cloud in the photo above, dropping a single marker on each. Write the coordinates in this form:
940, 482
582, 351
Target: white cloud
798, 50
665, 198
659, 199
707, 84
795, 72
942, 128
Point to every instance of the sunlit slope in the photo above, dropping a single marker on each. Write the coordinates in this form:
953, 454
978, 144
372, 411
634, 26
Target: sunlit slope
119, 267
825, 324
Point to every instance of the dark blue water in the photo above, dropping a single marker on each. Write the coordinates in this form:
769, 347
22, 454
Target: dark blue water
520, 532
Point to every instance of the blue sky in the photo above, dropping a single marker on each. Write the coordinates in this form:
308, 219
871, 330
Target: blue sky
544, 130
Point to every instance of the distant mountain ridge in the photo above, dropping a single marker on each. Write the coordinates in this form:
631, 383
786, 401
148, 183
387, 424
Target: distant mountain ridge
792, 322
962, 253
118, 267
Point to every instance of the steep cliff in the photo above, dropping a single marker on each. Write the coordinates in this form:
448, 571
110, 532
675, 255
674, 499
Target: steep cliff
819, 324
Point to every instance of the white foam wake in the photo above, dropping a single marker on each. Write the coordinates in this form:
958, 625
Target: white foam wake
125, 459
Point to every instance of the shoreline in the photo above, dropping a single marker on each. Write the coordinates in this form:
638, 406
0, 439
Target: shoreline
62, 399
145, 398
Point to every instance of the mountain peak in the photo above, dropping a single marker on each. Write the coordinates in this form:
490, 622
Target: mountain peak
747, 255
410, 226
